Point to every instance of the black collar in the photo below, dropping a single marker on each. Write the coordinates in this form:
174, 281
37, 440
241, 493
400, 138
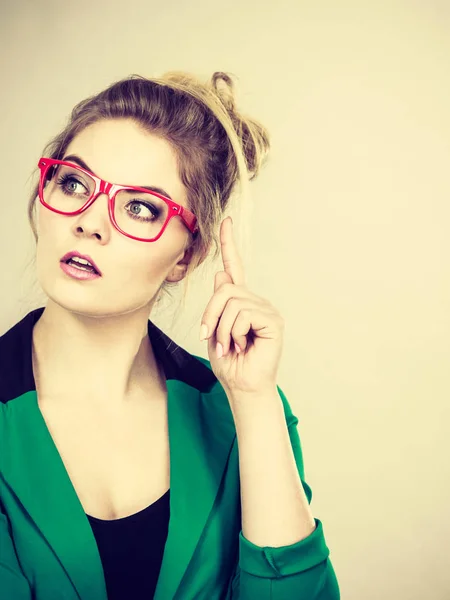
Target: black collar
16, 372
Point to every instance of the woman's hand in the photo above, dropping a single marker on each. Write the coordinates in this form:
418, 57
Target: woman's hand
245, 327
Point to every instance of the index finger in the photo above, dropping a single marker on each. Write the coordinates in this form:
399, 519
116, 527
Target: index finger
232, 262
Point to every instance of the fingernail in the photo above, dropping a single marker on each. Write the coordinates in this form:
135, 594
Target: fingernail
238, 349
219, 350
203, 332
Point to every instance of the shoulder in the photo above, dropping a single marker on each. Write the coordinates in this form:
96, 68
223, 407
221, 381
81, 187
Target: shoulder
16, 374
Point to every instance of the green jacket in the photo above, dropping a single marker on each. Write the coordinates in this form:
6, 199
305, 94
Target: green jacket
47, 548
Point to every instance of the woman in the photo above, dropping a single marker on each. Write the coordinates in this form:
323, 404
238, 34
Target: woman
94, 501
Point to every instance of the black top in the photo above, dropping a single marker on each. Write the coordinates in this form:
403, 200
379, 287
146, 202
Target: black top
131, 550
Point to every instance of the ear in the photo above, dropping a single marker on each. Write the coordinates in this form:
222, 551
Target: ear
179, 270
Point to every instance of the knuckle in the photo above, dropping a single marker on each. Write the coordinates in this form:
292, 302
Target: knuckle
234, 303
228, 287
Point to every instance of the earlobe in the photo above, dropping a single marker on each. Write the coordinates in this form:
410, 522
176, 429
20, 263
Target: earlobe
179, 271
177, 274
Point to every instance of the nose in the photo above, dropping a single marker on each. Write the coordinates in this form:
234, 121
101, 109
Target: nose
95, 220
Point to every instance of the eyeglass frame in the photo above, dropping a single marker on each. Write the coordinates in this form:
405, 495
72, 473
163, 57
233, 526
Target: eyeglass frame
111, 189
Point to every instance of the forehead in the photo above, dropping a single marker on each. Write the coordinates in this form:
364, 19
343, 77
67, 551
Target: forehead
122, 152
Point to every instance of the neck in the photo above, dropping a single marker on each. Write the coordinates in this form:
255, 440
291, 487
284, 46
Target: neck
98, 360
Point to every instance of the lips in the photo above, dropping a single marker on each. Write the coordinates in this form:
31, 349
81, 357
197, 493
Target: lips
73, 253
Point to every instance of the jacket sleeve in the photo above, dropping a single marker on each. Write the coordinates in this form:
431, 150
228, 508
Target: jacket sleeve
13, 583
301, 571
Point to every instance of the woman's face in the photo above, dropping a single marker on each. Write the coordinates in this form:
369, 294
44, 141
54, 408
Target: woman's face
132, 271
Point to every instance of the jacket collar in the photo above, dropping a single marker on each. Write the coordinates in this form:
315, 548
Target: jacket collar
201, 435
16, 373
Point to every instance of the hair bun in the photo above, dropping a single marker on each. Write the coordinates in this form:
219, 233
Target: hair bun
224, 93
253, 136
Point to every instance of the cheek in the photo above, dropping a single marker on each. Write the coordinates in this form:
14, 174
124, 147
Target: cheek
147, 266
132, 264
48, 224
47, 237
150, 266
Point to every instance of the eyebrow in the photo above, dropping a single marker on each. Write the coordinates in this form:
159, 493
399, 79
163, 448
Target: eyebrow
151, 188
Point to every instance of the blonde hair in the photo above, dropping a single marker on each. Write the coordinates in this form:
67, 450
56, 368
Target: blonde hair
214, 144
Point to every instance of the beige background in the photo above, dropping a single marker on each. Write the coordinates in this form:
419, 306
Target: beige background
349, 239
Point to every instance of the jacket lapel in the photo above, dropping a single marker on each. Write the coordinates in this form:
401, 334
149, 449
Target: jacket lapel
35, 474
201, 435
201, 432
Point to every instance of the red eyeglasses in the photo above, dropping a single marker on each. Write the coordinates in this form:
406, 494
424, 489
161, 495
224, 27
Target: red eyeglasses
137, 212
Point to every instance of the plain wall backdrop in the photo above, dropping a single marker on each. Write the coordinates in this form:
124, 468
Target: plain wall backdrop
349, 236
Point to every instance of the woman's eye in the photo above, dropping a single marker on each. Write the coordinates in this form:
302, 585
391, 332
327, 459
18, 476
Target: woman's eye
71, 185
75, 186
138, 209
